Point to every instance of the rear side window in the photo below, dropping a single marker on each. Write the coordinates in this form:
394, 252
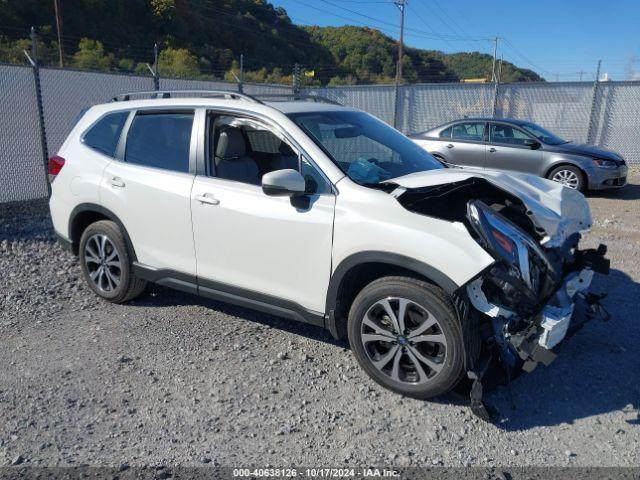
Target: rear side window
468, 131
104, 135
160, 140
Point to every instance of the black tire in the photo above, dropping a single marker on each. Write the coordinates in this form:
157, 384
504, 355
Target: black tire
566, 171
439, 307
119, 284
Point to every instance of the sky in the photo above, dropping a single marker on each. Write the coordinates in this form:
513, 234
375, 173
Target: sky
560, 39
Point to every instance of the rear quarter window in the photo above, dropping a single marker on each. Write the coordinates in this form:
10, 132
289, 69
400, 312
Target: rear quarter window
104, 135
446, 133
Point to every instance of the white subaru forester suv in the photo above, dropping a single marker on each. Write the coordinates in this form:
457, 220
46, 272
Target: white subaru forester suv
324, 214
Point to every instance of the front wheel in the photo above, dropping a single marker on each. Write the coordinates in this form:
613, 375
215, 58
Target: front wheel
406, 335
568, 176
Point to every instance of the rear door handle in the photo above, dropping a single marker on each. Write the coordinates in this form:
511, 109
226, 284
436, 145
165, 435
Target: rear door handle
208, 199
492, 149
450, 145
117, 182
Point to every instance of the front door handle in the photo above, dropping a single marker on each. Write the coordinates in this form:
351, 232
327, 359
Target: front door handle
450, 145
492, 149
117, 182
208, 199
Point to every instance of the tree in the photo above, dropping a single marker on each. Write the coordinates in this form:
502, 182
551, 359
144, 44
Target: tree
91, 56
178, 62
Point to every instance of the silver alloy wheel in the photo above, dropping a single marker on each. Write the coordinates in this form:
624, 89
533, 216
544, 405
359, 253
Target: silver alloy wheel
568, 178
403, 340
103, 262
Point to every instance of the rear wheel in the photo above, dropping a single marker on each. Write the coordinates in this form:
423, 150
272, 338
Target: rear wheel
106, 263
406, 335
569, 176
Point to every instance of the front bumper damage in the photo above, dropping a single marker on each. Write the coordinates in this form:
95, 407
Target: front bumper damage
548, 328
515, 342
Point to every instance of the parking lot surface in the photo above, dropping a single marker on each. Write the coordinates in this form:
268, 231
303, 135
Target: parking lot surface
172, 379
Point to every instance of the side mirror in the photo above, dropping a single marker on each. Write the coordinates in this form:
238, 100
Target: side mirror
283, 183
532, 144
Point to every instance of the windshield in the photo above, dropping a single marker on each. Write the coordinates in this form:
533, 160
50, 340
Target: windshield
545, 136
367, 150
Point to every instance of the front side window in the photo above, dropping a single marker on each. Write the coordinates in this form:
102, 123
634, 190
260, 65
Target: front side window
502, 133
105, 134
473, 131
365, 148
160, 140
243, 150
545, 136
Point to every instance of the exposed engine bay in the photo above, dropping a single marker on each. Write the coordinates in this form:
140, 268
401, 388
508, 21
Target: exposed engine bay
524, 303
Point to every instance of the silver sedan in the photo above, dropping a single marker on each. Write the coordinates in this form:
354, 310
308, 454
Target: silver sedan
522, 146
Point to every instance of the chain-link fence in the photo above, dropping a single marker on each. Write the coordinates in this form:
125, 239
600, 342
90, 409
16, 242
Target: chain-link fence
65, 93
606, 114
378, 100
21, 156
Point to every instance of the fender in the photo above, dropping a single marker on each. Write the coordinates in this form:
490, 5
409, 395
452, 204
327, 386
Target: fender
92, 207
432, 274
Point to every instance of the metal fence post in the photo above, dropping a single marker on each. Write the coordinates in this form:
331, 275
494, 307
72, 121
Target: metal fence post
296, 79
396, 96
592, 113
156, 74
33, 60
496, 89
241, 79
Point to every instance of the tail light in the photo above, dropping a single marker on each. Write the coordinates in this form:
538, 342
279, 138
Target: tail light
55, 165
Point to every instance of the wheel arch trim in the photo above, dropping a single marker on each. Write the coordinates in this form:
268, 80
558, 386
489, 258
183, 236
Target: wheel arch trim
393, 260
565, 162
94, 208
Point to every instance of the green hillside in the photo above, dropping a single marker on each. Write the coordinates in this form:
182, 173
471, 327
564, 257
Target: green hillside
204, 39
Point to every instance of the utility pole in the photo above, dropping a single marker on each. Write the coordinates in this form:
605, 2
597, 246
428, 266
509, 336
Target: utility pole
400, 4
494, 78
56, 8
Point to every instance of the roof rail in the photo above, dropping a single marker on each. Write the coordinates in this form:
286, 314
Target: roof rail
184, 93
297, 96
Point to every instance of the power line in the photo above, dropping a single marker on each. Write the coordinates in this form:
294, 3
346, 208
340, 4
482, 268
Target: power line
526, 59
467, 38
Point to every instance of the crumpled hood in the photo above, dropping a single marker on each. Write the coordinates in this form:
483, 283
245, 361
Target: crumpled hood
558, 210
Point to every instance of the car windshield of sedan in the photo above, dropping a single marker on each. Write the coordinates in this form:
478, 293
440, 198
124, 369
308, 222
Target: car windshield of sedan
545, 136
366, 149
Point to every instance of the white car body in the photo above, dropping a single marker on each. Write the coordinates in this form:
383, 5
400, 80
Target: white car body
157, 208
229, 240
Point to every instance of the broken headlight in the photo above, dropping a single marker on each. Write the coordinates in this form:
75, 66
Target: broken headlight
507, 242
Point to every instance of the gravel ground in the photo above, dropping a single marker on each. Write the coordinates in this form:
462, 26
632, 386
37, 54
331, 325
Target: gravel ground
172, 379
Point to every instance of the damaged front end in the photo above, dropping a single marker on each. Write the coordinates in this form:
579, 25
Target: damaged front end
526, 301
530, 292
